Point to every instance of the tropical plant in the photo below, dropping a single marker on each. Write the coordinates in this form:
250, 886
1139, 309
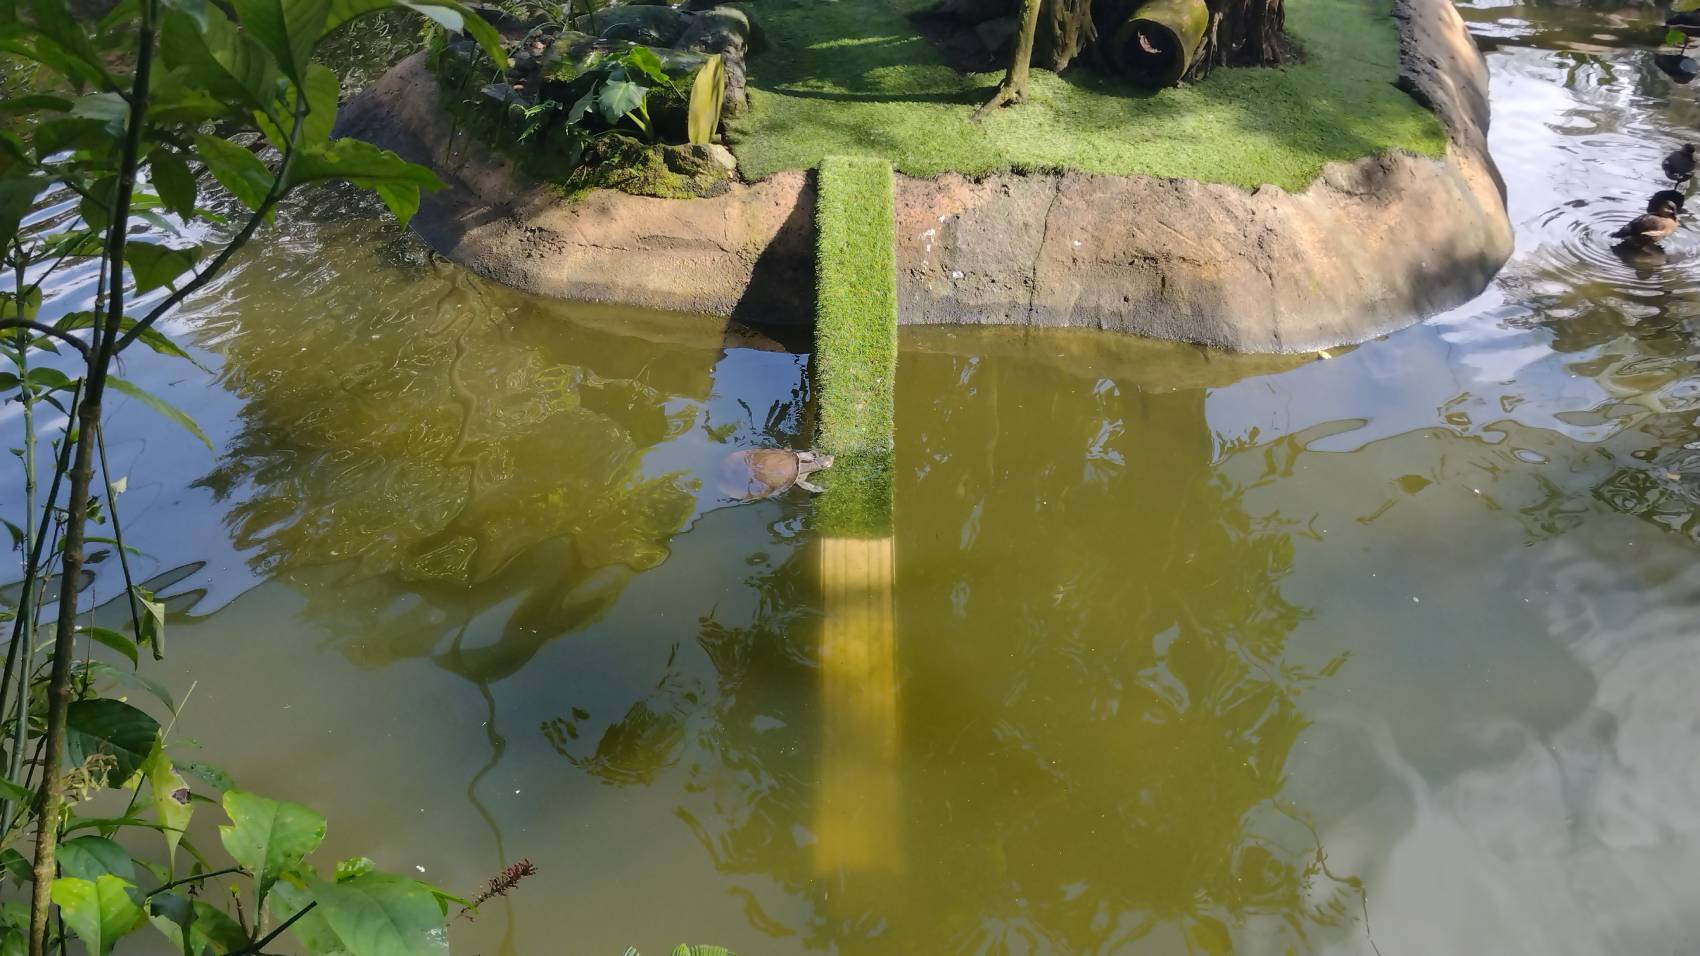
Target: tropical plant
119, 118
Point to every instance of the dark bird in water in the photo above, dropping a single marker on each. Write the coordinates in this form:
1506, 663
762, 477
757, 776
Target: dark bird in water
1688, 21
1679, 165
1657, 224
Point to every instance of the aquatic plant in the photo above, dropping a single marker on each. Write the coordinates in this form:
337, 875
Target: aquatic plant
117, 119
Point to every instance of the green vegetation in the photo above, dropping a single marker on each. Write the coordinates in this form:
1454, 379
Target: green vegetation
116, 118
856, 341
854, 78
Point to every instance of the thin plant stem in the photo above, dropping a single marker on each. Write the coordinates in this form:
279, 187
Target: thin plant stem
118, 536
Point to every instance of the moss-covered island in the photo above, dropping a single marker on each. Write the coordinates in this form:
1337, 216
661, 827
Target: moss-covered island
1341, 193
856, 78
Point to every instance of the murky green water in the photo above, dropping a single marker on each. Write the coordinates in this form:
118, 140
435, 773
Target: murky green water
1390, 653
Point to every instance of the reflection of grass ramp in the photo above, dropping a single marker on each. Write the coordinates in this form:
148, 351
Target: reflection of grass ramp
857, 816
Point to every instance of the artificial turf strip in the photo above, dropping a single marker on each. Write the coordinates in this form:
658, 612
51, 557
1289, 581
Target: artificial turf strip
856, 342
852, 77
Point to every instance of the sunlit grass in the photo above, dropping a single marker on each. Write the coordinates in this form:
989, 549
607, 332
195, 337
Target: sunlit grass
853, 78
856, 341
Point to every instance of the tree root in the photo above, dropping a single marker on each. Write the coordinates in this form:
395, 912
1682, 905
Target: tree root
1007, 95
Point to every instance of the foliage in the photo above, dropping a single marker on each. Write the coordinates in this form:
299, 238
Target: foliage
855, 78
568, 94
856, 342
131, 117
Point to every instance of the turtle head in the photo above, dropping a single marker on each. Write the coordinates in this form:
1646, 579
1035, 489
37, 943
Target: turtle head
811, 461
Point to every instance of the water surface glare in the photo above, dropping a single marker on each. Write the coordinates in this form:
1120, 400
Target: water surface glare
1394, 653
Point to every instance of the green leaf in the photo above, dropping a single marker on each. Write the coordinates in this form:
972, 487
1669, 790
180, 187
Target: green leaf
110, 110
172, 807
207, 773
219, 58
268, 837
396, 181
644, 60
99, 912
342, 11
16, 866
170, 177
17, 196
683, 950
288, 28
354, 866
619, 97
54, 25
26, 103
13, 792
314, 933
379, 914
153, 622
100, 669
708, 97
106, 726
121, 643
154, 265
161, 406
87, 857
236, 169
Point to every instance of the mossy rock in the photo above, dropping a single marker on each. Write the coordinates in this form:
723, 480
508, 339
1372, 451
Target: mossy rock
662, 170
648, 25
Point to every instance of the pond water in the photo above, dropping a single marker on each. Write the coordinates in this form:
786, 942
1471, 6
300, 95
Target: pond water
1392, 653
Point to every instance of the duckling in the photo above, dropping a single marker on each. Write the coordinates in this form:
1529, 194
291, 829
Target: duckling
1679, 165
1657, 224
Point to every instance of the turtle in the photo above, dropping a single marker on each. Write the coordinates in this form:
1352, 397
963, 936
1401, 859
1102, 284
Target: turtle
751, 474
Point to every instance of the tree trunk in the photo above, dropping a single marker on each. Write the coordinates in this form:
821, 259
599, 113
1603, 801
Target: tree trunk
1065, 31
1241, 33
1013, 89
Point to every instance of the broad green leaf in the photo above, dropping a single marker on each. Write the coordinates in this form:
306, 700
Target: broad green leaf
171, 804
172, 914
106, 636
154, 265
619, 97
342, 11
214, 927
55, 25
323, 88
288, 28
110, 110
101, 670
1675, 38
106, 726
383, 915
159, 405
99, 912
268, 837
206, 773
644, 60
87, 857
170, 177
17, 195
708, 97
13, 942
13, 792
396, 181
16, 866
236, 169
219, 58
354, 866
26, 103
152, 337
311, 930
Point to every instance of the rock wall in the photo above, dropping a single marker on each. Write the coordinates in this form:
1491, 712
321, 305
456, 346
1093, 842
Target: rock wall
1372, 246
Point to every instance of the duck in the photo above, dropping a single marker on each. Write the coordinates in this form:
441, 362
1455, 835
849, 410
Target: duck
1656, 224
1679, 165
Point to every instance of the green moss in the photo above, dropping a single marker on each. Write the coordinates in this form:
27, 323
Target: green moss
856, 341
852, 77
670, 172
